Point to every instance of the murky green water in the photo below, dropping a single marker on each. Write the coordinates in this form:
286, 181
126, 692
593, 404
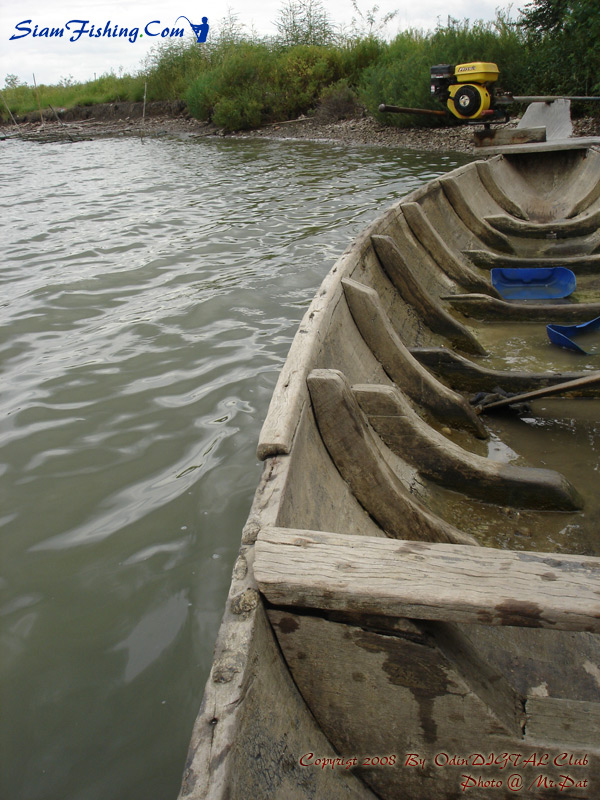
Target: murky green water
150, 292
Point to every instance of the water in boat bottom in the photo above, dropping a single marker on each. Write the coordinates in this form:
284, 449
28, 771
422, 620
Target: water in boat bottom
562, 434
151, 290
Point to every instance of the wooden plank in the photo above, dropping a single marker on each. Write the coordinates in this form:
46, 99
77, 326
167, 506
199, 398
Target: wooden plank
565, 721
498, 136
583, 143
435, 317
420, 580
354, 450
448, 464
480, 306
426, 234
425, 390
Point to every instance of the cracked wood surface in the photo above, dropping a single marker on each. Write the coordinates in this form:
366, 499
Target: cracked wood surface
419, 580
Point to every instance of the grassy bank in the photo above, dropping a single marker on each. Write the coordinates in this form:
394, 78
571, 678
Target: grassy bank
241, 82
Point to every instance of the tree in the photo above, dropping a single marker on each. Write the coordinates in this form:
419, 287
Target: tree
304, 22
564, 43
542, 17
12, 82
368, 23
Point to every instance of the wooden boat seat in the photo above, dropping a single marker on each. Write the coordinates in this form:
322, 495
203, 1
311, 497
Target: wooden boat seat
425, 581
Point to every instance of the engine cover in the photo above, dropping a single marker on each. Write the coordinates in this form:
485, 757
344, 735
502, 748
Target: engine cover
468, 100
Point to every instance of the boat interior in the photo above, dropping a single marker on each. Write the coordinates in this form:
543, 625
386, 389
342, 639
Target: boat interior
423, 574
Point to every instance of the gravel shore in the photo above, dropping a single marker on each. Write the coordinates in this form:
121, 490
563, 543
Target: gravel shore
164, 119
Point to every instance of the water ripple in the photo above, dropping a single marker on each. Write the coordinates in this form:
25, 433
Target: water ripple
150, 294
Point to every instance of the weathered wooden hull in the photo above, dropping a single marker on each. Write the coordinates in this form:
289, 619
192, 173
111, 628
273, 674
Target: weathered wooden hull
365, 625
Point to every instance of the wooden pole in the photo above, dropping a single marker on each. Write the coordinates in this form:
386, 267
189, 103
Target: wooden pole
557, 388
9, 111
384, 108
39, 104
59, 120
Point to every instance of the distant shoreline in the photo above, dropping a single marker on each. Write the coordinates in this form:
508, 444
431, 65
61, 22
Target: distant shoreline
172, 119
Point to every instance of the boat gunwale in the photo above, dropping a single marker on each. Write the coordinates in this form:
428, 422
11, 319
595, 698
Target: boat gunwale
291, 393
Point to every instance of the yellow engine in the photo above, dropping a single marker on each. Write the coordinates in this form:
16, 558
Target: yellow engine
466, 89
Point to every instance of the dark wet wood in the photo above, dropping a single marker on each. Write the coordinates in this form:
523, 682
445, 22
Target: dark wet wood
397, 695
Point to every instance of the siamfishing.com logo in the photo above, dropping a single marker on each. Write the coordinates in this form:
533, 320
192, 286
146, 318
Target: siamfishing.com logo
81, 27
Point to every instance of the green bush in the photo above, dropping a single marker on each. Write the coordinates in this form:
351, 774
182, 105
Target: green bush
251, 84
301, 74
235, 93
400, 77
338, 101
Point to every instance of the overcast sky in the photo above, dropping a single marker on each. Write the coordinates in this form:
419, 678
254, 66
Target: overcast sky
51, 59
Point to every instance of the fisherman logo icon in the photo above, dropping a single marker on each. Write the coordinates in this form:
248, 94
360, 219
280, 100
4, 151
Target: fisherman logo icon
200, 31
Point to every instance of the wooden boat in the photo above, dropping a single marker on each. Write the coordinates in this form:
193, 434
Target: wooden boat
415, 608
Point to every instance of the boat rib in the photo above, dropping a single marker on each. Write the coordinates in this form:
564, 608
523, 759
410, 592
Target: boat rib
354, 450
496, 192
481, 306
432, 242
468, 376
580, 265
446, 463
562, 229
437, 318
403, 369
480, 227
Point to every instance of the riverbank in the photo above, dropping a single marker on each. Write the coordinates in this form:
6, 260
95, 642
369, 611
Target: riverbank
172, 119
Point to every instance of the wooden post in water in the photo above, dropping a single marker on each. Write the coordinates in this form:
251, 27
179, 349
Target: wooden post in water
37, 94
144, 108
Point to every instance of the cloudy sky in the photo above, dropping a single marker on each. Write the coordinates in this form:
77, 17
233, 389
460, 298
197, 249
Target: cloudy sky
51, 59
